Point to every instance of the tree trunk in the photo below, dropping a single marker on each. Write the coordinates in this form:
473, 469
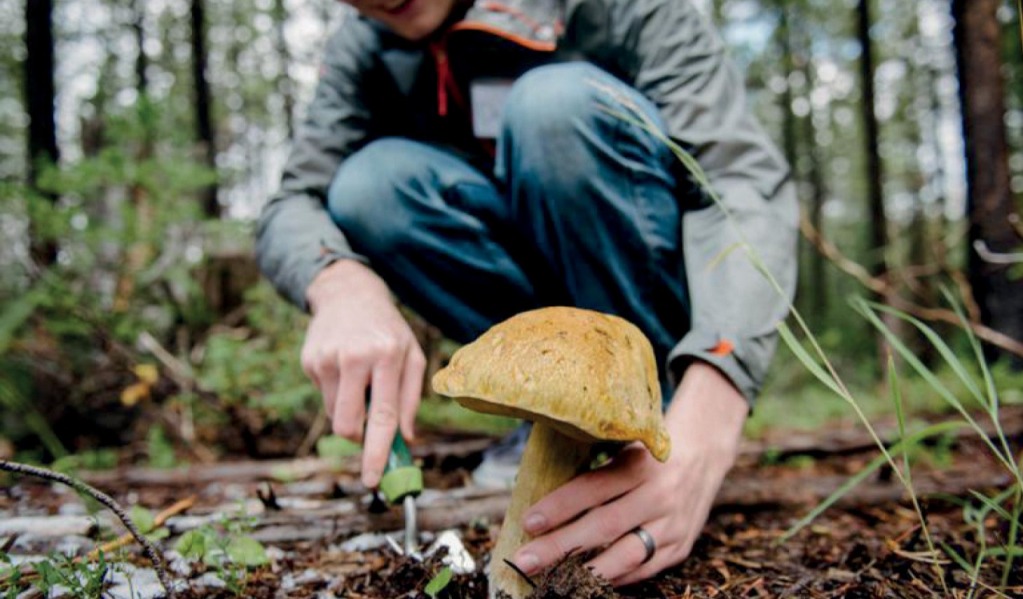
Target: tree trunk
40, 94
878, 240
140, 250
990, 205
203, 104
815, 177
284, 84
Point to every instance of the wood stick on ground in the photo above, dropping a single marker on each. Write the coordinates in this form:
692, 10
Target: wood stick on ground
159, 520
148, 548
884, 288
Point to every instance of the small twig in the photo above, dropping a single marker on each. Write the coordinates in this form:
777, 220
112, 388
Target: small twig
991, 257
7, 543
926, 557
1015, 220
316, 431
268, 499
524, 576
147, 547
179, 371
159, 520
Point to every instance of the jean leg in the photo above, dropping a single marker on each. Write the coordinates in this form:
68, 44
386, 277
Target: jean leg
434, 228
599, 195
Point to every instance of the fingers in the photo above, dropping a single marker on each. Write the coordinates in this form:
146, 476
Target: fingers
622, 562
583, 493
411, 390
592, 530
381, 422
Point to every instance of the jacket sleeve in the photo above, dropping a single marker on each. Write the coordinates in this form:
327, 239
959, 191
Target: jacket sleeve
674, 57
295, 236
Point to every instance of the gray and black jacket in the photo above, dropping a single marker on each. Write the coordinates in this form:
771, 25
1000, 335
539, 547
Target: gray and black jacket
374, 84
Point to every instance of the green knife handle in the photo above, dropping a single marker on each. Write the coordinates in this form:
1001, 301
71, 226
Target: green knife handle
402, 477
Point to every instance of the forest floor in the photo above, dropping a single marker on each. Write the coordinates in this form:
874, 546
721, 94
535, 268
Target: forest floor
323, 539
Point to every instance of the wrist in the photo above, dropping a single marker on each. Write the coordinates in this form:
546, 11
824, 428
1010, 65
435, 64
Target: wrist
342, 277
709, 409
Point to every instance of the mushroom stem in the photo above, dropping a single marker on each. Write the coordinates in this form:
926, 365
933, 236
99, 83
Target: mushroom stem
550, 460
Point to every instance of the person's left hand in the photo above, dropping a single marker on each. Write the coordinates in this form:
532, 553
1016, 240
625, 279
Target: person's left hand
671, 501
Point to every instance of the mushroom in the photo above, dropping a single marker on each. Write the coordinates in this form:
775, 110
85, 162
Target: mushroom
581, 377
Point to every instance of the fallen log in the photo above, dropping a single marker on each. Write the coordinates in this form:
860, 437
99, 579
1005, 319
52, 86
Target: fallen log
855, 438
331, 521
778, 444
273, 470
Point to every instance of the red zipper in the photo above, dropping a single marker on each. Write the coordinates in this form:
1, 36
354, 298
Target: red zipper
445, 79
446, 83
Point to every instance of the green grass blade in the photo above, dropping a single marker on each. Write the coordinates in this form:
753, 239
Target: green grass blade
973, 570
900, 414
943, 349
867, 309
989, 380
15, 314
900, 447
993, 504
807, 360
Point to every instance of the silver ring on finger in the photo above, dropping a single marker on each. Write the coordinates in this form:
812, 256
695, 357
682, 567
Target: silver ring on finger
648, 543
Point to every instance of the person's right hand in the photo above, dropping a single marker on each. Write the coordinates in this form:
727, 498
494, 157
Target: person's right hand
358, 338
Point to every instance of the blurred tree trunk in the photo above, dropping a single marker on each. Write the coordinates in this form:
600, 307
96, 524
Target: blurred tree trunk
814, 174
878, 240
990, 205
40, 94
203, 103
801, 156
920, 253
284, 84
140, 250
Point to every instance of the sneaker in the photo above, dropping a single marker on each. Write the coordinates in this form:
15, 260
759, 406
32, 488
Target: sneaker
501, 460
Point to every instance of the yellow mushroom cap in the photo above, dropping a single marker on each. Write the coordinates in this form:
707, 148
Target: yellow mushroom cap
590, 375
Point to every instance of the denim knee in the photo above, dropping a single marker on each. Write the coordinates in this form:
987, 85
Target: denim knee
552, 100
364, 199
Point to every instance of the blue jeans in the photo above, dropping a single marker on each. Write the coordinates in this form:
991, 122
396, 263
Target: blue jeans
581, 210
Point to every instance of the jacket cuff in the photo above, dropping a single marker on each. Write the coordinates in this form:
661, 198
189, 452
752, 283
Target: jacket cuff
720, 350
329, 253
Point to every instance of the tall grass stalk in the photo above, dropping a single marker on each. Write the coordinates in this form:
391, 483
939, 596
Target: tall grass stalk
822, 368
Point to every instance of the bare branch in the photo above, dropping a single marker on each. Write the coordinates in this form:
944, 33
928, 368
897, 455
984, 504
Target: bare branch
884, 288
147, 546
992, 257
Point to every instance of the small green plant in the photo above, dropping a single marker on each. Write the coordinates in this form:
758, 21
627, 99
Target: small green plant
146, 523
227, 548
438, 582
160, 449
10, 578
79, 578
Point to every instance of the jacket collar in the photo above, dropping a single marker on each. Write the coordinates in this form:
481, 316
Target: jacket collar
534, 24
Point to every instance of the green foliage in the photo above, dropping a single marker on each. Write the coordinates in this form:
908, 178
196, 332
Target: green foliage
226, 548
146, 523
442, 413
334, 447
438, 582
89, 459
11, 577
258, 366
159, 448
123, 224
81, 578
